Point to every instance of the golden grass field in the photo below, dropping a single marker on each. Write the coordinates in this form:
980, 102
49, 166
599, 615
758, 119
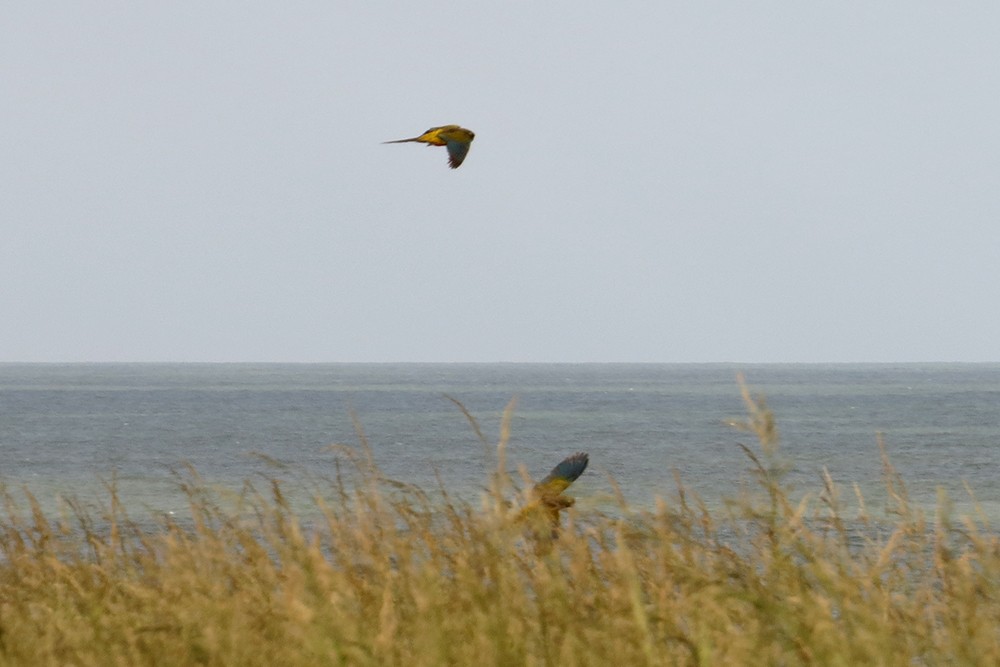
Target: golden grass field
377, 573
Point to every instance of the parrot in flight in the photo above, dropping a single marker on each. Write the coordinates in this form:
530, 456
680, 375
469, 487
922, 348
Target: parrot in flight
457, 139
548, 496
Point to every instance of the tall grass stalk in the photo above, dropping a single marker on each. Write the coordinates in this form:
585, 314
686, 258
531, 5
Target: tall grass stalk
381, 573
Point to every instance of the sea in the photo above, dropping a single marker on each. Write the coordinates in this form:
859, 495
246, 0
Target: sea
69, 431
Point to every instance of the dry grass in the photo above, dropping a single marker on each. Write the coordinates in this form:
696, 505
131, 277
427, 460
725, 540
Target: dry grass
382, 574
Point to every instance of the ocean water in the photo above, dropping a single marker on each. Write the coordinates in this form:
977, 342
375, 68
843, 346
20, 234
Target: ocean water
65, 429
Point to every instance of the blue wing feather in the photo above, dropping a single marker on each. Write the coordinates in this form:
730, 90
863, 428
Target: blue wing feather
457, 150
565, 473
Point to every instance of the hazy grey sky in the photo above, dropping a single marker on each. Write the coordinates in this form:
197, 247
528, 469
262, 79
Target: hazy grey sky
655, 181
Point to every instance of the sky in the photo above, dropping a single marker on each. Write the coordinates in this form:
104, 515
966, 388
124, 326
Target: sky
650, 181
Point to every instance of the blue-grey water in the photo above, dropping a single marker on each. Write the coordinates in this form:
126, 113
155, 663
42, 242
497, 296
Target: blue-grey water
66, 427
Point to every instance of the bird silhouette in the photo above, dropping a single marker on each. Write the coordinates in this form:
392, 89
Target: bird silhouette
457, 139
547, 496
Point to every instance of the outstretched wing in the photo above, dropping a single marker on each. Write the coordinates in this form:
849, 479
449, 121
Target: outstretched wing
564, 474
457, 150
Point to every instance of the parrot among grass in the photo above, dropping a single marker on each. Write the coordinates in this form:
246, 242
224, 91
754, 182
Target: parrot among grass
547, 495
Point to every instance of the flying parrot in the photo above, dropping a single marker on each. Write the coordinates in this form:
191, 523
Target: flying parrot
457, 139
548, 496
